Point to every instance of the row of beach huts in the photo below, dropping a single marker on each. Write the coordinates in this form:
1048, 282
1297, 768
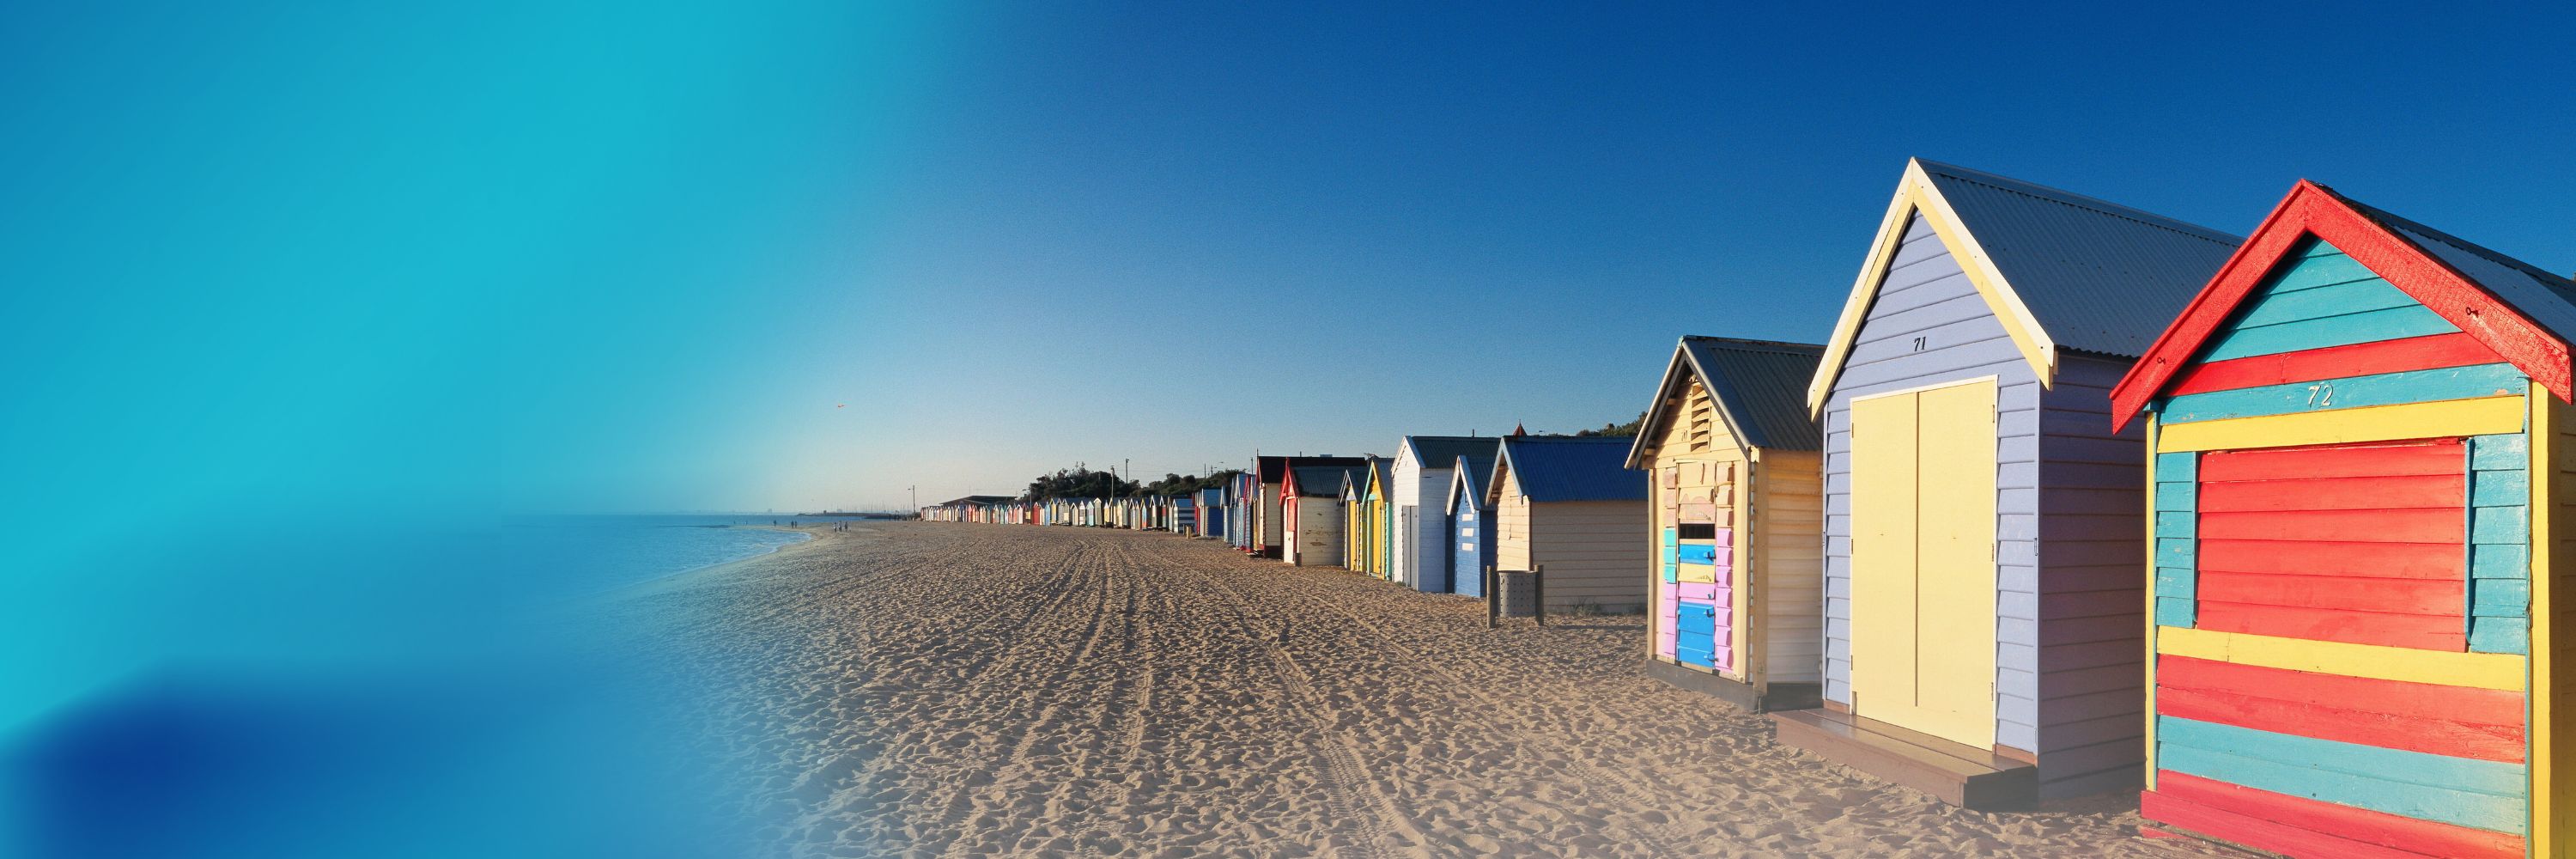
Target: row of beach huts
2073, 498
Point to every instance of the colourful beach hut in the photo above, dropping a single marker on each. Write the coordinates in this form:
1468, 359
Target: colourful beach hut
1379, 539
1572, 505
1354, 519
1980, 531
1470, 521
1262, 514
1420, 476
2352, 611
1311, 508
1733, 462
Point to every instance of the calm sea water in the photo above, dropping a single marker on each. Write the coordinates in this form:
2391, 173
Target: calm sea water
601, 552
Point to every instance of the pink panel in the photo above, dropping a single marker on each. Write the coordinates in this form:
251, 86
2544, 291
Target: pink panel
1694, 591
1664, 621
1723, 655
1725, 538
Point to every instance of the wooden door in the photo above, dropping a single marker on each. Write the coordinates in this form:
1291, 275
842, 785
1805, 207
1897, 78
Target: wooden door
1923, 564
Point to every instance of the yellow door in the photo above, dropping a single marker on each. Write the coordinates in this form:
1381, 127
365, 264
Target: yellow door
1923, 564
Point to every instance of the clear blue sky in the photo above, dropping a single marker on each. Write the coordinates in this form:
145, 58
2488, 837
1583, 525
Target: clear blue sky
637, 258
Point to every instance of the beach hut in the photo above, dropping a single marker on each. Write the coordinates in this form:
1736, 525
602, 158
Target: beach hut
1377, 542
1354, 519
1469, 521
1420, 537
1572, 505
2353, 601
1311, 510
1734, 466
1262, 510
1211, 513
1980, 531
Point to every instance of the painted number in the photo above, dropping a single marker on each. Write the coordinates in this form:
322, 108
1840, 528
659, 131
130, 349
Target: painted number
1919, 343
2321, 395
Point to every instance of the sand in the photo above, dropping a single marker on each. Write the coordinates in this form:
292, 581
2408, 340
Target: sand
934, 689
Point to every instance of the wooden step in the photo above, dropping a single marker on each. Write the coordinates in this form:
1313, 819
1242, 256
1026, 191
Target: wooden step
1958, 774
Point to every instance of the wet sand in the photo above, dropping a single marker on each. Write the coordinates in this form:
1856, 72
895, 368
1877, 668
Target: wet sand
932, 689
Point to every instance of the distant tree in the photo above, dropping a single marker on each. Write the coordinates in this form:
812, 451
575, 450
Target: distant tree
1626, 430
1079, 482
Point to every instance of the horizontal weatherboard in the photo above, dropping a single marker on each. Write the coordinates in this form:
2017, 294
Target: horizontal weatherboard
2477, 670
2297, 825
2348, 426
2358, 359
2459, 791
2411, 386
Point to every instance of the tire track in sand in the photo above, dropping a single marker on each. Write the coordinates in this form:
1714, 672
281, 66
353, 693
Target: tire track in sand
1353, 791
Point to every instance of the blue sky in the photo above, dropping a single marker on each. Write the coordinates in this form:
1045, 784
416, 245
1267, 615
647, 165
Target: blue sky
640, 257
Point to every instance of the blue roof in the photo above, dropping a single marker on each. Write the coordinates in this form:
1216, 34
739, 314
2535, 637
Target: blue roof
2100, 277
1758, 386
1570, 469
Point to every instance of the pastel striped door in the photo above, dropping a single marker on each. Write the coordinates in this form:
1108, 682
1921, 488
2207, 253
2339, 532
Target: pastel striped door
1923, 566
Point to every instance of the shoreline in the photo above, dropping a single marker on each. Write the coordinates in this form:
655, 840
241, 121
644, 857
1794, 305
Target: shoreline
695, 576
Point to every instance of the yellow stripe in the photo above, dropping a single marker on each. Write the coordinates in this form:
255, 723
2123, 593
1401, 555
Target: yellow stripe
2474, 670
2545, 828
2487, 416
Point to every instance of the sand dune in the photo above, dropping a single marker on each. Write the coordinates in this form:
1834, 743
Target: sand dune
911, 689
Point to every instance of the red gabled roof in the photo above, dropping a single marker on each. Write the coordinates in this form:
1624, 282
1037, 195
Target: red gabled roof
2372, 240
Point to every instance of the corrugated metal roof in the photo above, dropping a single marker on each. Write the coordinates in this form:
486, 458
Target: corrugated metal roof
2546, 298
1474, 468
1443, 451
2100, 277
1761, 385
1323, 479
1572, 469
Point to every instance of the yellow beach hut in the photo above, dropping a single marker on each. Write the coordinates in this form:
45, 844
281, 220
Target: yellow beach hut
1733, 464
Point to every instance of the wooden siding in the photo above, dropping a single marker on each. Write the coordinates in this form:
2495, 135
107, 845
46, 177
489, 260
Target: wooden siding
1789, 505
1927, 299
1511, 516
2085, 715
2351, 681
1592, 551
1421, 552
1698, 468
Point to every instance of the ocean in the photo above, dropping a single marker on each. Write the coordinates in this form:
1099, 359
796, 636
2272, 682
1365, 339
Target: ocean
608, 551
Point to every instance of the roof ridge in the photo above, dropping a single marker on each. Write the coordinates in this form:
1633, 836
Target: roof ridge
1749, 344
2391, 219
2071, 199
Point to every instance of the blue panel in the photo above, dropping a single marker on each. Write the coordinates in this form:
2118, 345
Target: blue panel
2499, 525
2178, 468
2500, 561
1699, 656
2384, 389
2182, 612
2171, 552
2183, 526
2176, 497
1695, 617
2174, 582
2499, 452
1697, 554
2369, 327
2482, 794
2499, 489
2500, 597
2500, 635
2319, 302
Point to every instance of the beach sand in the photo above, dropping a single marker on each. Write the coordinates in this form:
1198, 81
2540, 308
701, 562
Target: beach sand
931, 689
